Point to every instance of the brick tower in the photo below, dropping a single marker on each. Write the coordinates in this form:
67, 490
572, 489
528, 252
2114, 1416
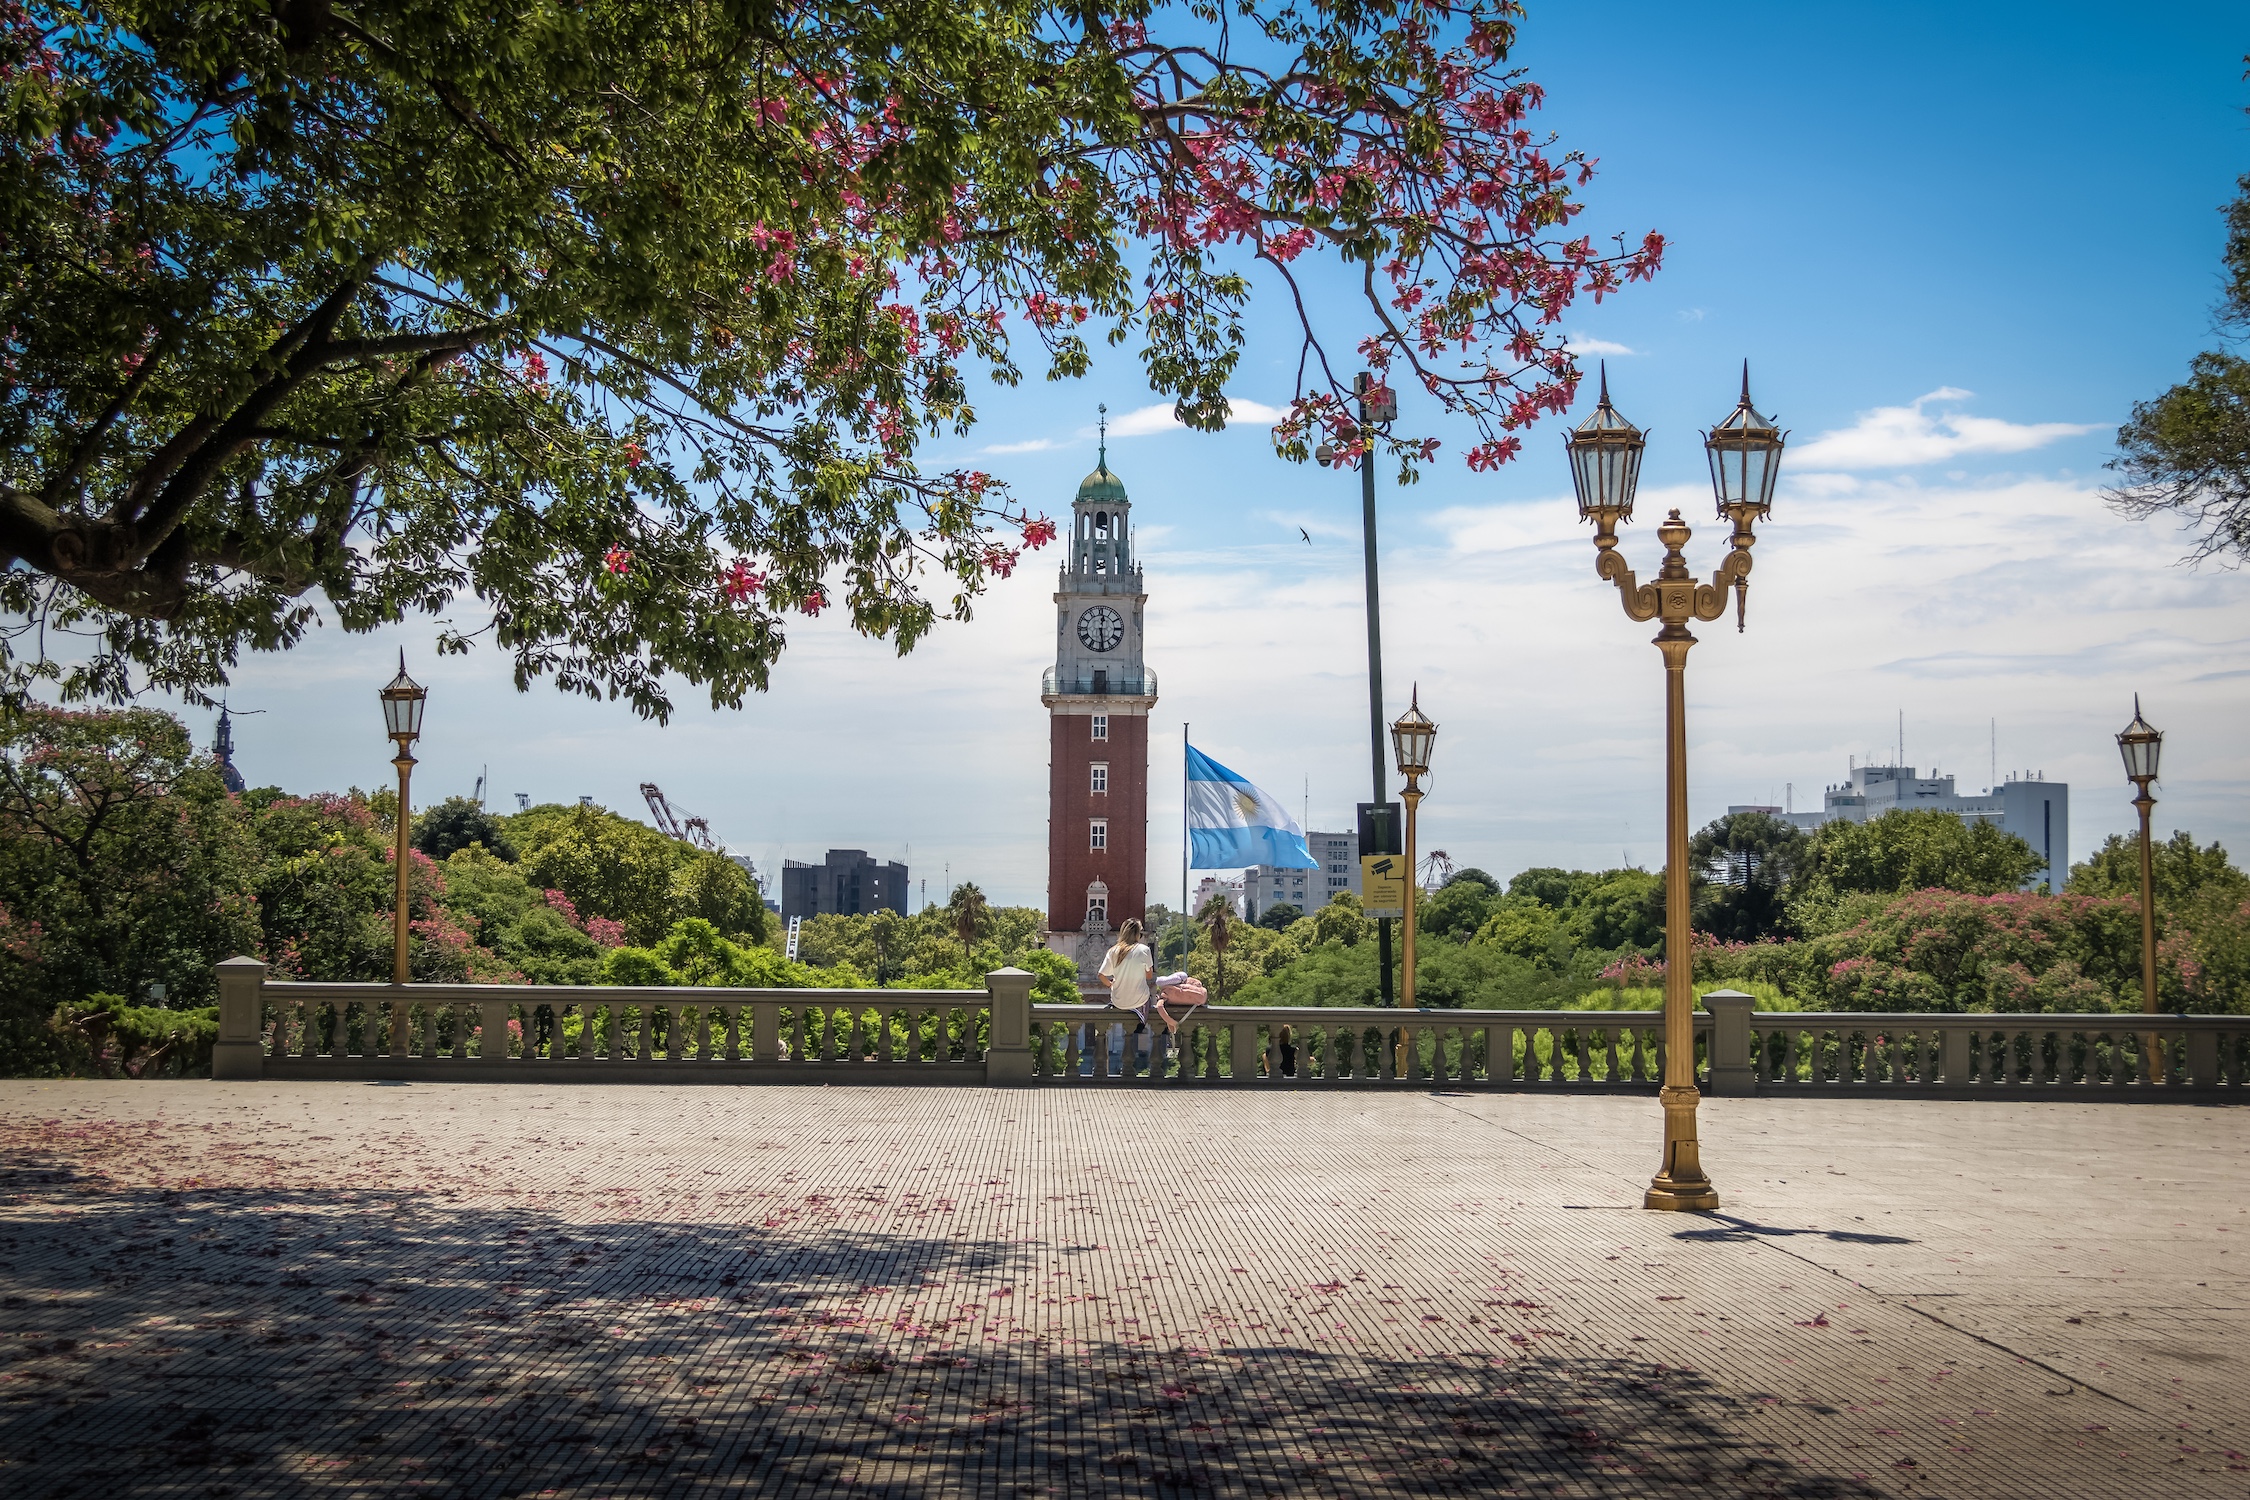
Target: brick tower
1098, 695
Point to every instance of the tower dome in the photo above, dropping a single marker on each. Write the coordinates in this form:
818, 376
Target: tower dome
1101, 486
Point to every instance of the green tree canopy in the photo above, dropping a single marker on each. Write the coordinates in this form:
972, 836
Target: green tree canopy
1744, 864
120, 842
1912, 849
603, 863
456, 823
618, 324
2186, 454
2183, 871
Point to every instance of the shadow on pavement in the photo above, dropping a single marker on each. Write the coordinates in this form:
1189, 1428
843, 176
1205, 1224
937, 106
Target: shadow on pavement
274, 1342
1744, 1230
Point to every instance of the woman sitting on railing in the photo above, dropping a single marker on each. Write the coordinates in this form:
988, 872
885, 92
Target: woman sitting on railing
1126, 969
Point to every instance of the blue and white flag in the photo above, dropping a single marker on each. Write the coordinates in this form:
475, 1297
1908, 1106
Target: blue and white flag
1232, 824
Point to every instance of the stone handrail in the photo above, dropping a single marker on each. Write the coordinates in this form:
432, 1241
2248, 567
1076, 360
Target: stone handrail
285, 1029
505, 1032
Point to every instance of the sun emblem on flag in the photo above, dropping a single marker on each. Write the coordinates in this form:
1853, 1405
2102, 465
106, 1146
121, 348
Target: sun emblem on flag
1246, 804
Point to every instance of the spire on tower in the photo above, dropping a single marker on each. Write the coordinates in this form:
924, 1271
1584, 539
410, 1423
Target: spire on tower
1101, 424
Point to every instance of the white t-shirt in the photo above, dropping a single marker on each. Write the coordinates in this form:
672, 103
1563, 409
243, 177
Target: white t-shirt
1128, 969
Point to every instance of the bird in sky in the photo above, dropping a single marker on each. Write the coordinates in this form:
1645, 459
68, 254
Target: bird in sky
1306, 535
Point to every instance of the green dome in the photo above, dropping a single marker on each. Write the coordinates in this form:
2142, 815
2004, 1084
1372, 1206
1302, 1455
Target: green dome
1102, 485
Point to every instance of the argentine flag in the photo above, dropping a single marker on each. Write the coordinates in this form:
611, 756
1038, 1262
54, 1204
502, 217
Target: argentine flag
1232, 824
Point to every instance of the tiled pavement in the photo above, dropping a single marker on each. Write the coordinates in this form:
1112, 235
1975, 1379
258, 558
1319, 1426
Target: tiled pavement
598, 1291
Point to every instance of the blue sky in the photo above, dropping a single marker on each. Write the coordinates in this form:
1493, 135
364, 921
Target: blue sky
1956, 244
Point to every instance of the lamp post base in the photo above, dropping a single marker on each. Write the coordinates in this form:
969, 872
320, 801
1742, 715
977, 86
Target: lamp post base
1680, 1197
1681, 1186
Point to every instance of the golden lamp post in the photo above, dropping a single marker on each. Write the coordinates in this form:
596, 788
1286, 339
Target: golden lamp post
1605, 467
402, 721
1411, 738
2142, 745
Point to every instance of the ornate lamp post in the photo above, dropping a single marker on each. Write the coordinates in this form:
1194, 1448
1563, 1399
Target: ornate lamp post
402, 721
2142, 746
1605, 467
1411, 738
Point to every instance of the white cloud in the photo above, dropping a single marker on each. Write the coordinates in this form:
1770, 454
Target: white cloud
1031, 445
1148, 421
1580, 343
1896, 436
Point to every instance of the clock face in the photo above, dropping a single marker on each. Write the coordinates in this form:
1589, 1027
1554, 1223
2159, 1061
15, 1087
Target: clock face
1101, 628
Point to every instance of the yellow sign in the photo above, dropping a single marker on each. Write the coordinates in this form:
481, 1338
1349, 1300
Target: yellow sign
1382, 884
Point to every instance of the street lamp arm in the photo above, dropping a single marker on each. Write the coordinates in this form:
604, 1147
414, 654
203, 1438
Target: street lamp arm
1643, 601
1733, 573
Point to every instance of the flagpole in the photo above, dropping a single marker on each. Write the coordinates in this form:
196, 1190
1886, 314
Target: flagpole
1186, 919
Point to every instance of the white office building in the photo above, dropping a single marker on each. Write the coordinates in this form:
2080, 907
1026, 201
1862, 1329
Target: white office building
2029, 806
1216, 885
1263, 886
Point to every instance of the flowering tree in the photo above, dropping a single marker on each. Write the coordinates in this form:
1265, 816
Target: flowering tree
619, 324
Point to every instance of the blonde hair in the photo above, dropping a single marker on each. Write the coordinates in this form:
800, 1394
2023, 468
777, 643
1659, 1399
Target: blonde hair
1127, 936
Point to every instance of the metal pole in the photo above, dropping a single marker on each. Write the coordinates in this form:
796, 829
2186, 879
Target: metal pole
1405, 1062
1187, 918
1680, 1183
1374, 667
2151, 1050
405, 764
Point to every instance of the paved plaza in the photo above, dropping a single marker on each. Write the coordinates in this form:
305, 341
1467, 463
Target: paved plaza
281, 1290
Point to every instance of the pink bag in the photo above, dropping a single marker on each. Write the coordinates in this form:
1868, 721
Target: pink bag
1186, 993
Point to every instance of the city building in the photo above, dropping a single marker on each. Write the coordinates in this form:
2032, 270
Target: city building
1264, 886
1216, 885
1098, 695
2029, 806
846, 883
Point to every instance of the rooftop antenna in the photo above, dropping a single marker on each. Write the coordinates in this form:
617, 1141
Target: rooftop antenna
1996, 752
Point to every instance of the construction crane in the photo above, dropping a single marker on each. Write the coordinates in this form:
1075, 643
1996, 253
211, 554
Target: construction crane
689, 829
1437, 869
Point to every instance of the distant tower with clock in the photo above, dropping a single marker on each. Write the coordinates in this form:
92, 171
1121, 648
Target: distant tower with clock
1098, 695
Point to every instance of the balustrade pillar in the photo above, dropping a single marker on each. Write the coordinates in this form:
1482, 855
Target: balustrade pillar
492, 1023
1007, 1057
240, 1051
1955, 1044
1731, 1073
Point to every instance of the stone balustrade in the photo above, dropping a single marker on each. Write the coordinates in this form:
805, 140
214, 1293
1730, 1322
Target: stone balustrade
492, 1033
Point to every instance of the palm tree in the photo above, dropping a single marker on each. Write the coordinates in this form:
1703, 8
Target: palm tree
1214, 916
969, 909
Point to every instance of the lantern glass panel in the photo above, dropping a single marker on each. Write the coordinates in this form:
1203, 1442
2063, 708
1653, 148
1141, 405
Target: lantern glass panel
403, 698
2142, 746
1411, 740
1745, 454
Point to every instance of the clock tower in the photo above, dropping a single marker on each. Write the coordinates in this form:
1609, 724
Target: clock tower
1098, 695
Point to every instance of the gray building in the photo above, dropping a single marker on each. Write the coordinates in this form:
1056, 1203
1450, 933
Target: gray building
1263, 886
2031, 807
846, 883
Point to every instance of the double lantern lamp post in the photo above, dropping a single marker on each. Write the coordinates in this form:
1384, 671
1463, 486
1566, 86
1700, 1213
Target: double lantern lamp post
402, 721
1605, 466
2142, 745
